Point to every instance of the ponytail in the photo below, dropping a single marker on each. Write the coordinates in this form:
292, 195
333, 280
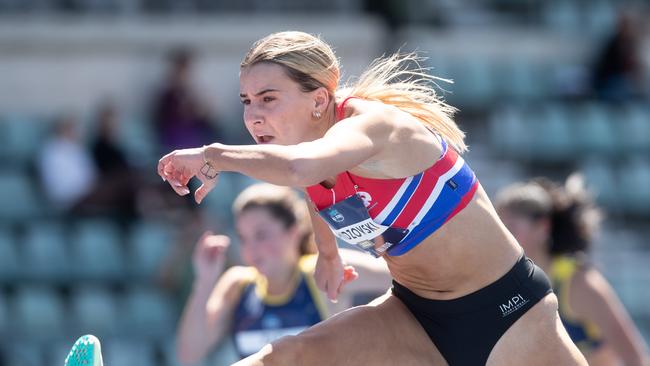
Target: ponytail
574, 218
394, 81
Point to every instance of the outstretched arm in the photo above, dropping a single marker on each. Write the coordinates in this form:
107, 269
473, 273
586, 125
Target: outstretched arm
347, 144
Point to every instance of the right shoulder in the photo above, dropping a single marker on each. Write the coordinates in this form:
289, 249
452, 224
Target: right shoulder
234, 280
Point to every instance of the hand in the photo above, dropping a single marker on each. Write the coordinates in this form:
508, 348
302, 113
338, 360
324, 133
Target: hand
179, 166
209, 256
331, 275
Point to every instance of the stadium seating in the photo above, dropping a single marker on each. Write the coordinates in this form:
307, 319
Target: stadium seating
9, 259
97, 250
149, 244
39, 313
94, 309
18, 197
45, 252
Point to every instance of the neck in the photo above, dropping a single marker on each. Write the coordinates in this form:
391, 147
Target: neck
281, 281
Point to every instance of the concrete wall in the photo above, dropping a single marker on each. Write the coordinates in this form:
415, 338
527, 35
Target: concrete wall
53, 65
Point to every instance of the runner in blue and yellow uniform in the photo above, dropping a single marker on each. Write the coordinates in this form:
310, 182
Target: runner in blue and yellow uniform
274, 295
555, 225
585, 333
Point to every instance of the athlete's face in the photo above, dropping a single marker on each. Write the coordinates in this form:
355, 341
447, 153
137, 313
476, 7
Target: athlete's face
266, 243
276, 110
531, 233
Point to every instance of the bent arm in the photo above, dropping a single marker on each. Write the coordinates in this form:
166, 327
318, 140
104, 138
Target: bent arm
595, 300
207, 314
347, 144
323, 236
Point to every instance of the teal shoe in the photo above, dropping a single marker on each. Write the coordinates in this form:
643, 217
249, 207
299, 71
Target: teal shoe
86, 351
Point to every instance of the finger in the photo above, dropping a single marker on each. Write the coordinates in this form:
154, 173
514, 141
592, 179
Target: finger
179, 189
218, 241
203, 190
205, 235
168, 168
161, 171
183, 180
169, 176
332, 292
162, 162
178, 176
185, 177
172, 175
174, 182
224, 241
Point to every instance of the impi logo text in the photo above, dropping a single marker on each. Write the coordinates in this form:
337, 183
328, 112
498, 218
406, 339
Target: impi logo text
514, 304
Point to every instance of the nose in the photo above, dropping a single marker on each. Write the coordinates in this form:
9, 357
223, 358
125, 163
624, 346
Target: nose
252, 117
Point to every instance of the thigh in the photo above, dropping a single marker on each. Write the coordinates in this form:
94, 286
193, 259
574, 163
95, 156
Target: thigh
537, 338
383, 332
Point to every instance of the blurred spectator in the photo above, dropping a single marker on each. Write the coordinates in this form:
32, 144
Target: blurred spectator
618, 70
180, 119
555, 226
66, 169
117, 193
275, 294
107, 154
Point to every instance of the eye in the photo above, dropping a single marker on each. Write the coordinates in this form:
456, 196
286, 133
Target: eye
268, 99
245, 101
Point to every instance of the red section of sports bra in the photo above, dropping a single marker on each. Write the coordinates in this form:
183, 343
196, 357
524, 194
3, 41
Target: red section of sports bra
340, 109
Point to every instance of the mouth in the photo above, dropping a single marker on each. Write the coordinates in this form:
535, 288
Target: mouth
264, 139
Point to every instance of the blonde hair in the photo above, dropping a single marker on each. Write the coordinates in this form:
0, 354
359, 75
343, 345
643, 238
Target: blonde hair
284, 204
307, 59
396, 80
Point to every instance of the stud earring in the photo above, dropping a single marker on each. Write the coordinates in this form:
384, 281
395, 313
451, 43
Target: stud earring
316, 114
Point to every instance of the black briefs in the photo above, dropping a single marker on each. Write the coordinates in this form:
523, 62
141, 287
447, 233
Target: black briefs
466, 329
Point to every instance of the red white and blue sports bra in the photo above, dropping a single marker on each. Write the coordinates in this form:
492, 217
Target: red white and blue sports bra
402, 211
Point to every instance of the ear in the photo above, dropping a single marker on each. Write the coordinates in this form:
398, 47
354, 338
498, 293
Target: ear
321, 99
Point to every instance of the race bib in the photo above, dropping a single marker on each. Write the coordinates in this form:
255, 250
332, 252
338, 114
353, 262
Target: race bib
351, 222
